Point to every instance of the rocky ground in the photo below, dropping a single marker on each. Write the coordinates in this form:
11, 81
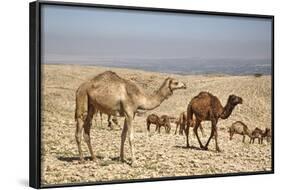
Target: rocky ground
158, 155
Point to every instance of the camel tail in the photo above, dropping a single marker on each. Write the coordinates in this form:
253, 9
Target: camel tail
229, 129
81, 106
189, 113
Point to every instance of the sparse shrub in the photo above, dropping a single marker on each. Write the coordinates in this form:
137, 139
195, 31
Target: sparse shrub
257, 74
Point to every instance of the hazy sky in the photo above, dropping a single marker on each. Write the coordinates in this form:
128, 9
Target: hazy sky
78, 33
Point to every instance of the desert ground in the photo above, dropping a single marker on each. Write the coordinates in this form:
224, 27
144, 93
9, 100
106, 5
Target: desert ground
157, 155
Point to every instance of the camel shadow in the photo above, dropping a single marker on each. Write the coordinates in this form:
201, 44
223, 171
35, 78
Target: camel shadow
194, 148
191, 147
112, 160
76, 158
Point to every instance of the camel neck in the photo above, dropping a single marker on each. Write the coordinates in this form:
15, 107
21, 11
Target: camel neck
227, 110
154, 100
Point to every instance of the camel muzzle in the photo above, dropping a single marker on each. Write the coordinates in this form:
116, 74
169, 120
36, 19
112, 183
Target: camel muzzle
183, 86
240, 101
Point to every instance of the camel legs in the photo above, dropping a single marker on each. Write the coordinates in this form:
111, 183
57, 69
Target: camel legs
123, 139
195, 129
243, 139
202, 130
213, 132
148, 126
253, 140
127, 129
181, 129
78, 135
100, 118
109, 122
131, 138
86, 124
216, 140
231, 133
176, 128
158, 128
167, 129
87, 128
187, 133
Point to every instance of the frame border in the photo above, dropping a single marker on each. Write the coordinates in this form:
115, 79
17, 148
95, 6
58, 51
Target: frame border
35, 91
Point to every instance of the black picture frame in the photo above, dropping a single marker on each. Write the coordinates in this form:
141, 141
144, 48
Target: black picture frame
35, 89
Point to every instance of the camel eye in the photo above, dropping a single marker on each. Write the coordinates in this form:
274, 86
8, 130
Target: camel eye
176, 83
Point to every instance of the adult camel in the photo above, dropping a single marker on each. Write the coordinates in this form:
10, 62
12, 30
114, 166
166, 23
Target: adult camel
116, 96
207, 107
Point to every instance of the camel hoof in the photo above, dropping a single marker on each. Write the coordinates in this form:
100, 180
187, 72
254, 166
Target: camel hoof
121, 160
219, 150
93, 158
81, 161
205, 148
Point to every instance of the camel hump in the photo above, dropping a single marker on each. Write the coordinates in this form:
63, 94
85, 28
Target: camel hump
240, 122
204, 93
245, 127
207, 96
107, 76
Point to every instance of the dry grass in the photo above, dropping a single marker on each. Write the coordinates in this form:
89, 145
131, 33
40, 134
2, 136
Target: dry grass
157, 155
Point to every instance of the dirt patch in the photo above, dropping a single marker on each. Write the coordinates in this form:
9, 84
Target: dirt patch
157, 155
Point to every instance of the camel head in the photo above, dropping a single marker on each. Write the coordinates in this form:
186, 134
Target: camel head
266, 132
234, 100
175, 84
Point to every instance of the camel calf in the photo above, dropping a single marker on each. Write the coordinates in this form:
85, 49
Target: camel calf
109, 120
256, 133
240, 128
165, 122
182, 123
266, 134
159, 122
152, 119
260, 135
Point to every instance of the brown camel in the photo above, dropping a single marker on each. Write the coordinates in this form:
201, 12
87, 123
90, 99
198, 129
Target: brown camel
256, 134
238, 127
116, 96
152, 119
182, 123
164, 121
266, 134
207, 107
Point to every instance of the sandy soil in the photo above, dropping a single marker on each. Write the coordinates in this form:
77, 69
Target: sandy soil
158, 155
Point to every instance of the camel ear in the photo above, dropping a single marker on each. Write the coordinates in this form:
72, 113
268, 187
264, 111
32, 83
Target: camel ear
170, 80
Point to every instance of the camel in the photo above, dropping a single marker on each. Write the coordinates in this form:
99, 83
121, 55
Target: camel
238, 127
116, 96
256, 134
164, 120
152, 119
182, 122
207, 107
266, 134
260, 135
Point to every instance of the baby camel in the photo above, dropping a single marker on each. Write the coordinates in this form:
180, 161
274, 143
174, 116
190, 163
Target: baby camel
182, 123
238, 127
164, 120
